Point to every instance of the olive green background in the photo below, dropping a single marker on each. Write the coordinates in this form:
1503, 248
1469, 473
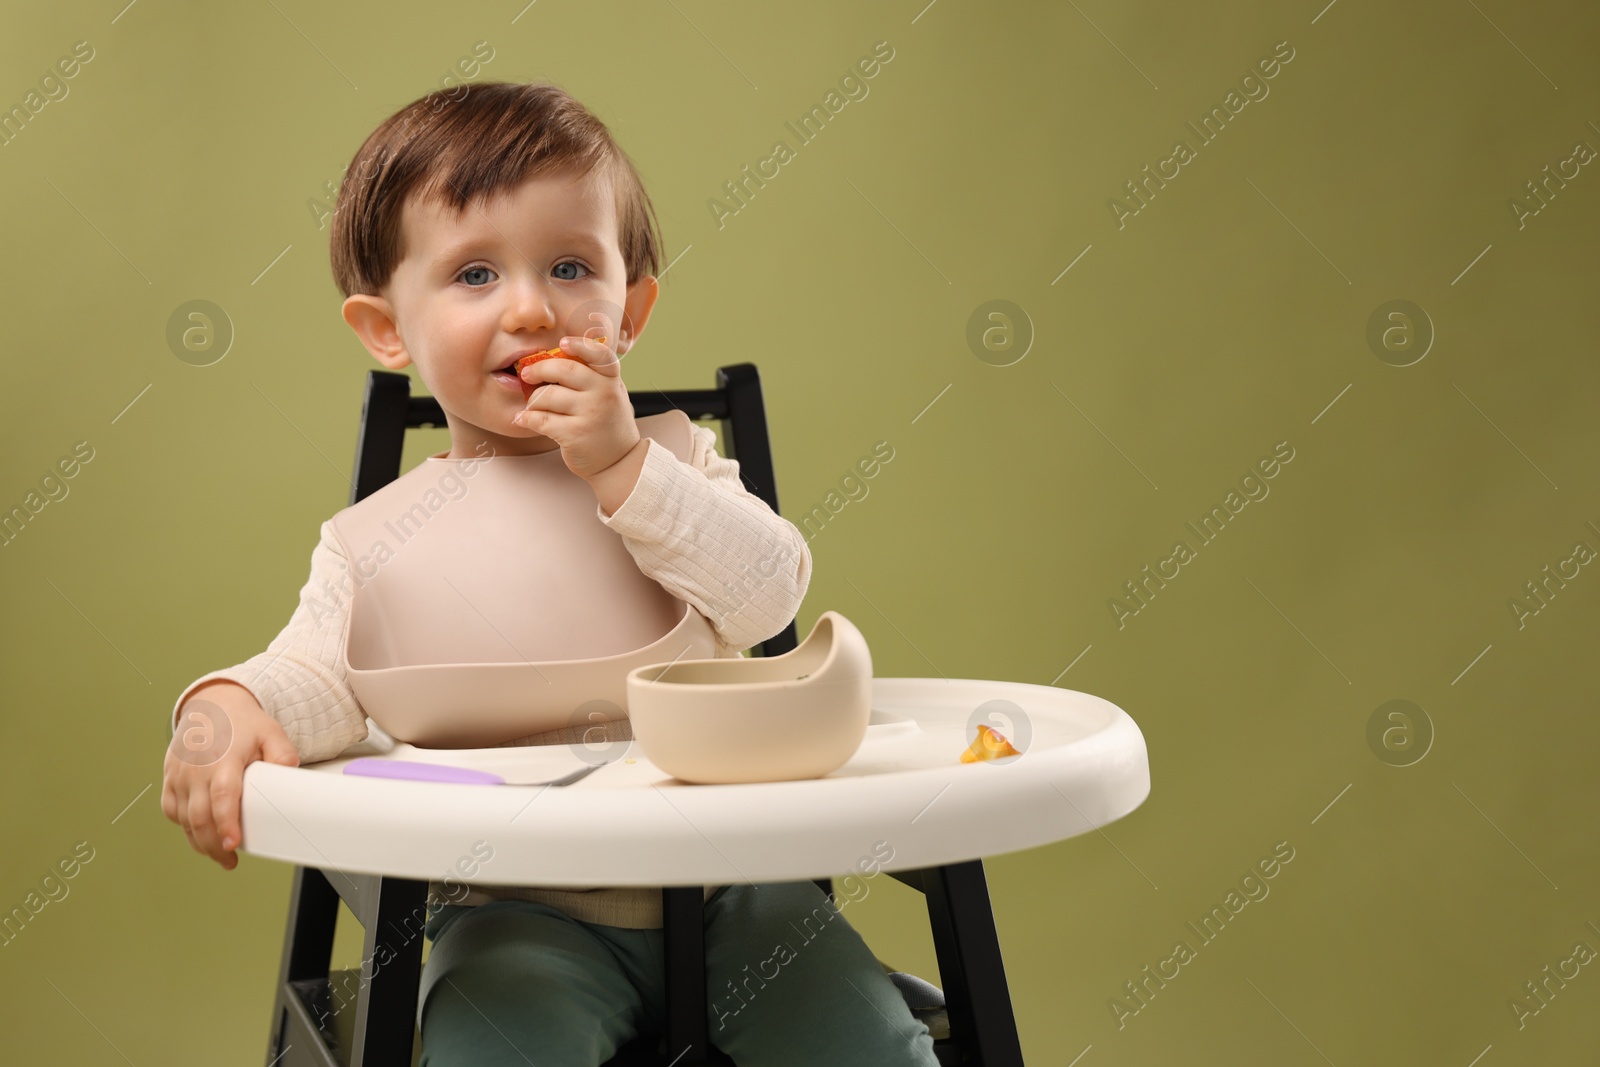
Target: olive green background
1230, 314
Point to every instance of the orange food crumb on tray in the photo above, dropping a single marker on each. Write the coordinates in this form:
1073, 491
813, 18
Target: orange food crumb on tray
989, 744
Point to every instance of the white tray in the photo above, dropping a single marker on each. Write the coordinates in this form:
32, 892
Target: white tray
905, 790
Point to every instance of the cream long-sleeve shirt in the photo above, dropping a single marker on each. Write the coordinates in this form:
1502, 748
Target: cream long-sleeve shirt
692, 527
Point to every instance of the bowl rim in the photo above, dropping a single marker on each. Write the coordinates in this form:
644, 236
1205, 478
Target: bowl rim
828, 618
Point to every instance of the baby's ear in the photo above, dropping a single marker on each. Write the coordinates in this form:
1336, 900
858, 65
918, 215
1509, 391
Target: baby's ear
641, 299
373, 320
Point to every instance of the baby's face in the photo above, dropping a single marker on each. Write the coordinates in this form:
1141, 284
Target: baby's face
506, 277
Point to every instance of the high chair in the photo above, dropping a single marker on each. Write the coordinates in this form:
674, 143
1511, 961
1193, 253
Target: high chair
976, 1026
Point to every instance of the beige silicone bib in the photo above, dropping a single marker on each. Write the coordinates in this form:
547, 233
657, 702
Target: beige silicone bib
491, 603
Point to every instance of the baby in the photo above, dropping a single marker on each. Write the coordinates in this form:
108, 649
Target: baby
471, 230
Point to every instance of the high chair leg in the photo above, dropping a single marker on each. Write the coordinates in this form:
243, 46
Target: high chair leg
970, 969
310, 1023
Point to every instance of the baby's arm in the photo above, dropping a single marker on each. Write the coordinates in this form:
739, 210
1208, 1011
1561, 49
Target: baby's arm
708, 540
300, 679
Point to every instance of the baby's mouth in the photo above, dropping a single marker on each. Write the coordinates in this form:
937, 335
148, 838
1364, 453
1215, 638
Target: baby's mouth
509, 375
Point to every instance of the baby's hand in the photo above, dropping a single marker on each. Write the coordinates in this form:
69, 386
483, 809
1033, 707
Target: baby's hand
217, 736
582, 405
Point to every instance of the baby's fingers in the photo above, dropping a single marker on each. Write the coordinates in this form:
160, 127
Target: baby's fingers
595, 353
204, 813
169, 796
199, 826
226, 789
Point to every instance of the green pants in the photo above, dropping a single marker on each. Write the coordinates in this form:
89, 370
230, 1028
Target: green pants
789, 983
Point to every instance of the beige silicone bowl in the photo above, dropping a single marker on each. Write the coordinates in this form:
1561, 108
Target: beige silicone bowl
798, 715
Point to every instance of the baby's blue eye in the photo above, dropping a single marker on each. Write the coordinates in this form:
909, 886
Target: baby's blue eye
557, 269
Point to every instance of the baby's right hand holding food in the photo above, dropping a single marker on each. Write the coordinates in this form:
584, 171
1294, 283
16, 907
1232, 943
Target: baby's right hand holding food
221, 730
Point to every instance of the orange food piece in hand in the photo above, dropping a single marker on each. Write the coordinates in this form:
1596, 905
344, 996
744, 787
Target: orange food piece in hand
989, 744
548, 353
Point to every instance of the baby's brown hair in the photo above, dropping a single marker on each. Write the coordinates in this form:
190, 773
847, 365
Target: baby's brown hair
451, 149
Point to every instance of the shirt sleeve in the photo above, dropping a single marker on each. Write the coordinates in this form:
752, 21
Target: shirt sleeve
300, 679
708, 540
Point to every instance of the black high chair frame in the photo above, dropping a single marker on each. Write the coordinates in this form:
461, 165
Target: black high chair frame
309, 1030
